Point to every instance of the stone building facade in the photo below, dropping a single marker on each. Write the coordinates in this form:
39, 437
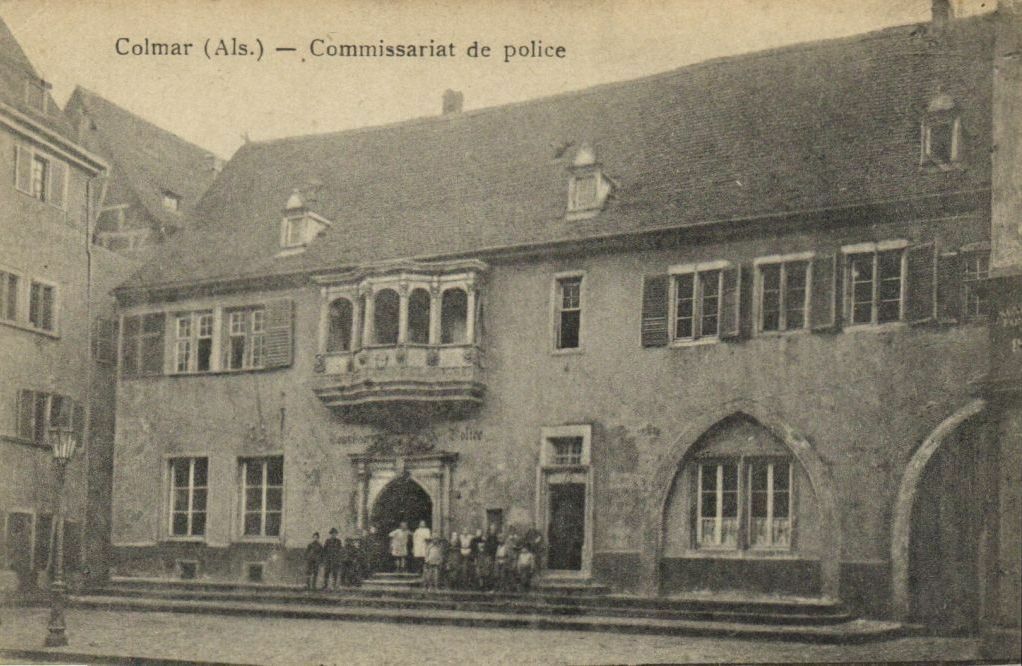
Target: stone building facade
54, 288
712, 329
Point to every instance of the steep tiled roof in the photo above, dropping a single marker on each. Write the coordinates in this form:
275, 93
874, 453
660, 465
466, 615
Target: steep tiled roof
828, 124
148, 157
15, 72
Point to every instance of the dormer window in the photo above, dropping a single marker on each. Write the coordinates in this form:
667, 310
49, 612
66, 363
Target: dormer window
171, 201
588, 187
300, 226
941, 133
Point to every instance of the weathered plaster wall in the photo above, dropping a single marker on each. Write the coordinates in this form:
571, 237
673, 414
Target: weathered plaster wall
863, 400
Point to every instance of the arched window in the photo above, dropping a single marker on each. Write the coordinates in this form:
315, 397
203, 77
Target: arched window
386, 305
339, 334
418, 317
453, 316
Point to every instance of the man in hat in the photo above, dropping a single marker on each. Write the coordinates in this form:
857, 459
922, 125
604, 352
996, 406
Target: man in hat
313, 558
332, 560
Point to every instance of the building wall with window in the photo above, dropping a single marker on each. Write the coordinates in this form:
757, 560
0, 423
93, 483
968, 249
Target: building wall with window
51, 300
643, 327
863, 394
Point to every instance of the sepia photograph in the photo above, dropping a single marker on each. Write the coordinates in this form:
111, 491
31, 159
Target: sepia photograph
510, 332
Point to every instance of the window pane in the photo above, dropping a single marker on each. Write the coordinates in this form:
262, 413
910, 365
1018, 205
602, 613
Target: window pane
152, 323
237, 353
258, 320
771, 305
709, 508
199, 500
781, 472
273, 524
861, 275
253, 473
385, 317
274, 499
759, 477
730, 477
684, 286
453, 316
275, 471
889, 288
201, 465
180, 467
181, 499
795, 294
709, 475
780, 504
184, 326
571, 290
204, 354
180, 524
131, 325
568, 333
253, 499
940, 141
198, 524
759, 504
339, 335
253, 524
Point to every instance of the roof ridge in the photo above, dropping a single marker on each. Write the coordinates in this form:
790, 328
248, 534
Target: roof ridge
749, 56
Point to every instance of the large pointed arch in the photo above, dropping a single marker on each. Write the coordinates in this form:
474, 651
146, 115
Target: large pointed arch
901, 526
801, 449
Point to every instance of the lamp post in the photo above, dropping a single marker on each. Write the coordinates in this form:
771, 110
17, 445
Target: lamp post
63, 440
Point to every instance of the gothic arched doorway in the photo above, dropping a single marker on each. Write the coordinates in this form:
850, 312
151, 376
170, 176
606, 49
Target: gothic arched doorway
403, 500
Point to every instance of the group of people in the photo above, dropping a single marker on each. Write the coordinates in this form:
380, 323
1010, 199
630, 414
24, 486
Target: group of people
491, 562
488, 562
342, 562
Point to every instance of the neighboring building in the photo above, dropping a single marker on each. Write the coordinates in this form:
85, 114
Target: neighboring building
54, 290
155, 177
703, 330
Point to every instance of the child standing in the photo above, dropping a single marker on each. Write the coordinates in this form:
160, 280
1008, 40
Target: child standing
434, 560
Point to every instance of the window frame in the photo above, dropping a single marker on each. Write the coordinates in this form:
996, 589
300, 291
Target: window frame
191, 488
54, 329
168, 196
557, 308
575, 204
946, 118
770, 462
249, 335
972, 283
5, 295
31, 153
719, 464
875, 249
759, 291
265, 487
694, 269
548, 454
192, 340
137, 342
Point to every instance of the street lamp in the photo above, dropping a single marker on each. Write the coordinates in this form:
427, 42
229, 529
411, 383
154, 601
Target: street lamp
64, 442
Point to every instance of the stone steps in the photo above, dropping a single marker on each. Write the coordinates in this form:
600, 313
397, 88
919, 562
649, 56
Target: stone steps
848, 631
509, 604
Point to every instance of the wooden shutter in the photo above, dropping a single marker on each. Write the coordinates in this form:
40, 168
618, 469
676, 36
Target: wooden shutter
949, 287
26, 414
823, 302
730, 304
23, 169
921, 284
746, 325
279, 333
78, 423
58, 183
654, 311
151, 350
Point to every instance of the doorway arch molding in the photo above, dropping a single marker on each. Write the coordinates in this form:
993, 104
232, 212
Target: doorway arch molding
904, 501
433, 472
820, 479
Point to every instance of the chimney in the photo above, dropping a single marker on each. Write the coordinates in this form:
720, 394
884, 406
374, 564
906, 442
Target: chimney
453, 101
942, 14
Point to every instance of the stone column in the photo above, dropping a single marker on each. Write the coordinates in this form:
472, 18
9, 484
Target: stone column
356, 321
470, 314
434, 314
402, 314
367, 324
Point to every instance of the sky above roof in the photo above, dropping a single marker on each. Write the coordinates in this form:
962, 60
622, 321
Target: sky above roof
213, 103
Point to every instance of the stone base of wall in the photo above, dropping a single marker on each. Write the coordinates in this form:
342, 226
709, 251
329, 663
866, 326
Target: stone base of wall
797, 577
279, 564
865, 587
618, 570
1001, 643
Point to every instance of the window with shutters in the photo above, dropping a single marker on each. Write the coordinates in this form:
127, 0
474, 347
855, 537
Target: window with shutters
975, 270
142, 345
193, 345
262, 496
245, 341
783, 293
42, 308
10, 285
568, 312
188, 489
704, 302
38, 411
875, 279
40, 176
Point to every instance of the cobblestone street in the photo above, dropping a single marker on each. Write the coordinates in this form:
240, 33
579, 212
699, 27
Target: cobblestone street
283, 641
